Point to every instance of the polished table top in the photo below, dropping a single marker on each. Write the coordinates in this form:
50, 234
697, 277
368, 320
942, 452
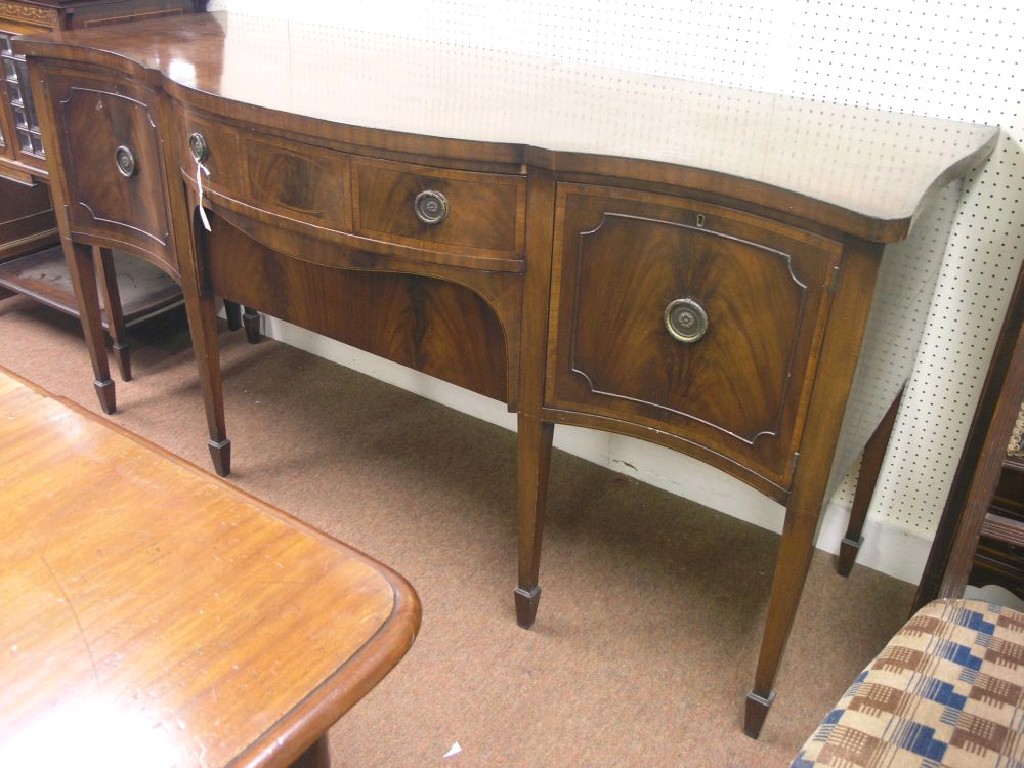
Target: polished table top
875, 164
151, 614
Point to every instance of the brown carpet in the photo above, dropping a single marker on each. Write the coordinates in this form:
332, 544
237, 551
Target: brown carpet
652, 612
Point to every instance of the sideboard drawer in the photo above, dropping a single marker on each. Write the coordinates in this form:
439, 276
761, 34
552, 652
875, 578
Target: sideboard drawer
464, 214
688, 318
113, 164
288, 179
437, 209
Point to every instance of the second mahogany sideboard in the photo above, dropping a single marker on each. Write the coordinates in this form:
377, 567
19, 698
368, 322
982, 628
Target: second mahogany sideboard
30, 261
702, 267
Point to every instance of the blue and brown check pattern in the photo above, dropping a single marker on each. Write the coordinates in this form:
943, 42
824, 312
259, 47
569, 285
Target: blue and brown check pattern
948, 690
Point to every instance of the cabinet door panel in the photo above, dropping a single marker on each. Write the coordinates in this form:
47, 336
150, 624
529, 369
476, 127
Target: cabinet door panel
112, 161
636, 278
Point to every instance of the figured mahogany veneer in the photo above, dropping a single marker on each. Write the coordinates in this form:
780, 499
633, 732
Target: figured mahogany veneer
429, 325
487, 210
124, 204
738, 394
566, 208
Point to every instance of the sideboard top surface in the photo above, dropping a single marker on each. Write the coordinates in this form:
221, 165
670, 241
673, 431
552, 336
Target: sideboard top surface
878, 165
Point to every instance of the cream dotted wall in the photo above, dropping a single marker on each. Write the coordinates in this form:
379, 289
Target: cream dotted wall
942, 58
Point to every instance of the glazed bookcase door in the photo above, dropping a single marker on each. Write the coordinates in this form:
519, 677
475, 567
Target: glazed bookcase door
5, 52
20, 122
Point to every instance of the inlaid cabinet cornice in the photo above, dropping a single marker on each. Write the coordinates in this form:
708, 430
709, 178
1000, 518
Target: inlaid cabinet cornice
32, 14
697, 266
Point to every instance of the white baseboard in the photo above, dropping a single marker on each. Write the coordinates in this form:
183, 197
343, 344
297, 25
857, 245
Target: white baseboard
896, 551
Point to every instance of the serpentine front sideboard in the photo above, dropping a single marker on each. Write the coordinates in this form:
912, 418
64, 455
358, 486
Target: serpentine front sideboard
702, 267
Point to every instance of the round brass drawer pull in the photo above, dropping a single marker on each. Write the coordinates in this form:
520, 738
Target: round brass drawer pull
431, 206
686, 320
125, 158
198, 147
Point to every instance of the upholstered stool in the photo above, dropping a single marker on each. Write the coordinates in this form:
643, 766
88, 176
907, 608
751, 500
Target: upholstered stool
947, 690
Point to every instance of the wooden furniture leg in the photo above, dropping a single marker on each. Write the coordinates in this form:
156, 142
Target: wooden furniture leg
236, 319
817, 451
534, 446
83, 277
233, 313
870, 469
202, 320
251, 321
792, 563
113, 309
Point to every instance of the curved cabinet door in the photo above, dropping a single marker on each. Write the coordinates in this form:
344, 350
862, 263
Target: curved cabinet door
691, 324
112, 163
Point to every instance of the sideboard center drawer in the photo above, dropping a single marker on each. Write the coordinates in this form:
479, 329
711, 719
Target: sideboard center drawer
435, 208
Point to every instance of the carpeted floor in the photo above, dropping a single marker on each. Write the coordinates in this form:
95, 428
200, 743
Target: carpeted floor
652, 612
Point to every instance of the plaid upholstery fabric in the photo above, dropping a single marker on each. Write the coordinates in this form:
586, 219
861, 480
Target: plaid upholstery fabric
948, 690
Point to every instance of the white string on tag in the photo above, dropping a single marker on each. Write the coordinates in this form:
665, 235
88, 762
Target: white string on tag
200, 170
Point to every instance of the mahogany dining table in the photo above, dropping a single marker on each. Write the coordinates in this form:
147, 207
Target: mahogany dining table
153, 614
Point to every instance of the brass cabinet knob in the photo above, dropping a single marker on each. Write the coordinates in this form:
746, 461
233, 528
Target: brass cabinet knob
125, 158
686, 320
431, 206
198, 147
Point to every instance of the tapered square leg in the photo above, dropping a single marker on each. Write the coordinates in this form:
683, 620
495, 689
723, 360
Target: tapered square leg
220, 455
534, 463
870, 469
106, 395
527, 602
82, 267
755, 711
114, 311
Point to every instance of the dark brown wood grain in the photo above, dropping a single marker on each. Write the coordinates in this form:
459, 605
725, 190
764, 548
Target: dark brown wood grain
566, 239
735, 397
101, 116
432, 326
486, 213
836, 363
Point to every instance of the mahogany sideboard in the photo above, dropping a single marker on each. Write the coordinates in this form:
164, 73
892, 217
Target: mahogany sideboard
716, 270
